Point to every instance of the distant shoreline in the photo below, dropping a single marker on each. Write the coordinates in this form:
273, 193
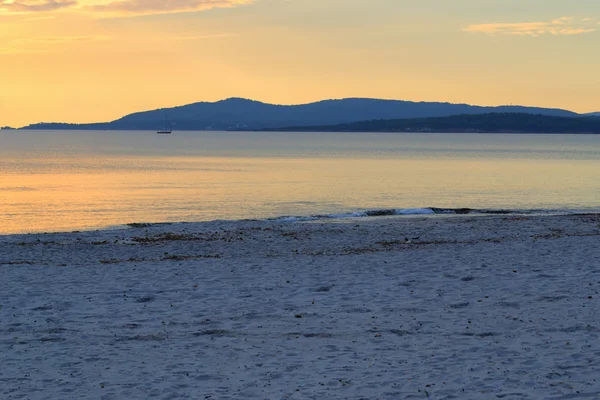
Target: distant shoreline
513, 123
458, 131
517, 123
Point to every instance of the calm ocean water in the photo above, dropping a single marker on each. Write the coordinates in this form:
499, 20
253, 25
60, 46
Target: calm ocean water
74, 180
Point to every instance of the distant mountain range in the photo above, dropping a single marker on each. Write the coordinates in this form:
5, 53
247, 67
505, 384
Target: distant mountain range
492, 122
237, 113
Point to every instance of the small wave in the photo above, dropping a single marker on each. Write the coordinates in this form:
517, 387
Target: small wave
431, 211
416, 211
357, 214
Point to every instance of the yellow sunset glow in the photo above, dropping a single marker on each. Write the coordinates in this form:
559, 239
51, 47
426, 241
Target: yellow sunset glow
97, 60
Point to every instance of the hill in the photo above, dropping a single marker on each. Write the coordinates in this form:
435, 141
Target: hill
491, 122
236, 113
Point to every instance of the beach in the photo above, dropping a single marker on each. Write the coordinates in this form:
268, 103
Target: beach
400, 307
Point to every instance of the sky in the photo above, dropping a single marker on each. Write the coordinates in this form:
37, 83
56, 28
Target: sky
97, 60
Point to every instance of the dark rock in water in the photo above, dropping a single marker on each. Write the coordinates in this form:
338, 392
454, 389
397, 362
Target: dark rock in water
451, 210
139, 225
497, 212
462, 210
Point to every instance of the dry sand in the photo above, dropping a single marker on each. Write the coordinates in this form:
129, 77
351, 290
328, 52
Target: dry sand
469, 308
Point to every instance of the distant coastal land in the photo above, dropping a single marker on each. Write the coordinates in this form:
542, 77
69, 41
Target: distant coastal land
484, 123
353, 114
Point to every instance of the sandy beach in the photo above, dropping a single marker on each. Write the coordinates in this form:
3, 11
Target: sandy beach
453, 307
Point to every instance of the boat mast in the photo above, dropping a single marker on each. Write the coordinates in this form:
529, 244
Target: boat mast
167, 123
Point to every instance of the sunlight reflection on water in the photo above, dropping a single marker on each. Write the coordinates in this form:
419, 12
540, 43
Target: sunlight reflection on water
73, 180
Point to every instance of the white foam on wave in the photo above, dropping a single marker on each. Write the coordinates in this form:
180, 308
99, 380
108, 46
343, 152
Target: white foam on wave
415, 211
357, 214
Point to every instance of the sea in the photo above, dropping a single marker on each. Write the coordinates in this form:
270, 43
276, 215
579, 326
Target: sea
52, 181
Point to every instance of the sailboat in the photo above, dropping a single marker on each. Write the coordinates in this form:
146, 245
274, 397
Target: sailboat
167, 129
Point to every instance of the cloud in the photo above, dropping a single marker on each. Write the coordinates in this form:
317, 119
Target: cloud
559, 26
116, 7
29, 6
142, 7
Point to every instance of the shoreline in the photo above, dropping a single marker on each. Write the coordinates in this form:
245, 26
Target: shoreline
459, 131
463, 306
348, 216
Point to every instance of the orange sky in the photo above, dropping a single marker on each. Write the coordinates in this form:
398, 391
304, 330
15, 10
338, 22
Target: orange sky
96, 60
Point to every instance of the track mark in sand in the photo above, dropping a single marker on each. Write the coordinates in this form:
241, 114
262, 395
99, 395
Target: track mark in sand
413, 310
516, 394
55, 330
324, 288
401, 332
322, 335
357, 310
552, 299
16, 263
145, 299
153, 337
52, 339
111, 261
166, 258
214, 332
197, 257
166, 237
480, 335
459, 305
45, 307
508, 304
227, 236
